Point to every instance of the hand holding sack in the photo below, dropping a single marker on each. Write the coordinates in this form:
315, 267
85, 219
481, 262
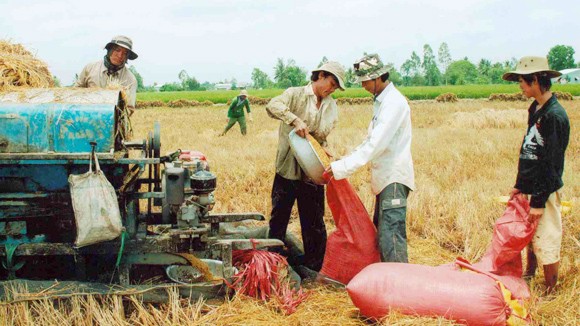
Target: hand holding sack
352, 246
511, 234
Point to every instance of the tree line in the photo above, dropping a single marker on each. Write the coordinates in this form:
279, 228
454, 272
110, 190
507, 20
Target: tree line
424, 69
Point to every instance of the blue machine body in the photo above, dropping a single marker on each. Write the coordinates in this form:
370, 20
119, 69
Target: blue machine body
45, 135
56, 127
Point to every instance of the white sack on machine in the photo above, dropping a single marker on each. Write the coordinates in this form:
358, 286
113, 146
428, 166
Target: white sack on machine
95, 206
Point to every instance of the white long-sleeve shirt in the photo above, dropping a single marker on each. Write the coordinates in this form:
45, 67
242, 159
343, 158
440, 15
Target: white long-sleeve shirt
387, 146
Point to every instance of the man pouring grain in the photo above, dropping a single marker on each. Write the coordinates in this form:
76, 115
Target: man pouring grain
112, 70
307, 110
388, 149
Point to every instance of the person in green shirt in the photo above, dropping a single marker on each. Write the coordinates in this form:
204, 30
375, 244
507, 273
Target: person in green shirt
236, 112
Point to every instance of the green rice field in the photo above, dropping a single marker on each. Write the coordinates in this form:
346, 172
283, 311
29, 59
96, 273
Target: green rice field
412, 92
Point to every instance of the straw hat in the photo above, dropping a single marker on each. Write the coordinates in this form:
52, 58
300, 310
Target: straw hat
336, 69
243, 92
531, 65
370, 67
125, 42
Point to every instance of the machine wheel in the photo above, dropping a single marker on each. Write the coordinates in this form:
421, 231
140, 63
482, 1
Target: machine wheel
156, 148
148, 143
165, 208
156, 140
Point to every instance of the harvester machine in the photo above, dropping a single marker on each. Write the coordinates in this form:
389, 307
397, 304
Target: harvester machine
170, 236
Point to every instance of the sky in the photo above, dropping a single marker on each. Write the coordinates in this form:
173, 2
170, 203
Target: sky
215, 40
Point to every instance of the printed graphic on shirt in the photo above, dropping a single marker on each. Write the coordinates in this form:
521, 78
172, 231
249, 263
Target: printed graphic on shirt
532, 143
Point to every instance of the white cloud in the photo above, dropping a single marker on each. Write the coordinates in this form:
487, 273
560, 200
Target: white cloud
215, 40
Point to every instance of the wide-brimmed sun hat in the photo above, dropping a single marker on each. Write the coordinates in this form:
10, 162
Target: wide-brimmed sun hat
243, 92
531, 65
370, 67
336, 69
123, 41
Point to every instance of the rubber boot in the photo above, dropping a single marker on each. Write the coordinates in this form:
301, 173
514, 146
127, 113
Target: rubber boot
551, 276
532, 264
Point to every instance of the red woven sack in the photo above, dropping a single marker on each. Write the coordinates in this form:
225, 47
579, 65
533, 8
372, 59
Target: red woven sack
511, 234
466, 297
516, 285
352, 246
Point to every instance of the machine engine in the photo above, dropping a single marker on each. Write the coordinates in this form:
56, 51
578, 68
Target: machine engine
165, 201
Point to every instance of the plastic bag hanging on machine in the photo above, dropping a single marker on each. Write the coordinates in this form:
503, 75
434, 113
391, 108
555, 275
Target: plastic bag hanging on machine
95, 206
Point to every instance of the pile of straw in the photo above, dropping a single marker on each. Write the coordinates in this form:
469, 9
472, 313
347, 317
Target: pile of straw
19, 68
258, 100
563, 96
447, 97
521, 97
254, 100
149, 104
187, 103
354, 101
508, 97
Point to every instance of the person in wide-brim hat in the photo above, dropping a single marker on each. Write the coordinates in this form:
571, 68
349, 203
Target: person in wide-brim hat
306, 110
541, 164
124, 42
236, 113
387, 149
370, 67
112, 70
336, 70
531, 65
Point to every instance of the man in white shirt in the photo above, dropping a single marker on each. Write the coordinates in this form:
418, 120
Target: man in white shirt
388, 149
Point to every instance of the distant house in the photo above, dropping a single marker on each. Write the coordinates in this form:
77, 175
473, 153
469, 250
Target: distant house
569, 76
223, 86
243, 85
228, 86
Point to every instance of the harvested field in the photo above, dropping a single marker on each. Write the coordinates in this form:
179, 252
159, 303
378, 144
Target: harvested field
490, 118
463, 160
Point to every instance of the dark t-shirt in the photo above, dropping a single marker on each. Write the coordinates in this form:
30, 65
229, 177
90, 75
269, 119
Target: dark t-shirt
541, 162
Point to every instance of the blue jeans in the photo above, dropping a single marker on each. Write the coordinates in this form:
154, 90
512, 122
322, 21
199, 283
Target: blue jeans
390, 220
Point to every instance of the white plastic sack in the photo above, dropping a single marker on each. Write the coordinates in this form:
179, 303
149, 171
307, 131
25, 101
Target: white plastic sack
95, 206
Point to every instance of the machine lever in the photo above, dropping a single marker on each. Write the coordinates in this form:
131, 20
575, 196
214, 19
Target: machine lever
232, 217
